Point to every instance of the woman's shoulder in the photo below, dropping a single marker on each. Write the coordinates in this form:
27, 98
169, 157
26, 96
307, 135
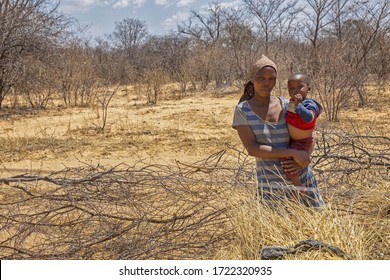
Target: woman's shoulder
284, 101
242, 104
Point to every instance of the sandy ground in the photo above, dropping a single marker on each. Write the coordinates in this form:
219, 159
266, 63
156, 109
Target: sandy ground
188, 130
50, 140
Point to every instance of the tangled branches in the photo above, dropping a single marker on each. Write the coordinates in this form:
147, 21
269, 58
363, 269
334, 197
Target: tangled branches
162, 211
353, 171
343, 154
151, 212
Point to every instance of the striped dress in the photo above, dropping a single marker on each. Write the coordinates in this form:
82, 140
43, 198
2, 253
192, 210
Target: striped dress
271, 180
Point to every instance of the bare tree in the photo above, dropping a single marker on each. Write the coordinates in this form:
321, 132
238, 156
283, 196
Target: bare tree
270, 15
167, 56
318, 17
155, 80
341, 12
76, 73
241, 42
368, 31
343, 74
333, 81
127, 38
129, 33
341, 48
106, 67
104, 95
37, 82
206, 28
25, 26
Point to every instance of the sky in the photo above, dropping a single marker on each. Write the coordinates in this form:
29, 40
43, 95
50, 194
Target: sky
160, 15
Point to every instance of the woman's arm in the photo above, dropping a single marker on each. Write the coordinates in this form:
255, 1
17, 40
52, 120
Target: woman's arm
267, 152
290, 166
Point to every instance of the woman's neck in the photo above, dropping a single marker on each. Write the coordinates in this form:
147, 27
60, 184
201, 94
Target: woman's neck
262, 101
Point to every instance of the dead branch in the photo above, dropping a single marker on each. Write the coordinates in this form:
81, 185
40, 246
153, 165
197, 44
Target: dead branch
345, 154
160, 211
143, 211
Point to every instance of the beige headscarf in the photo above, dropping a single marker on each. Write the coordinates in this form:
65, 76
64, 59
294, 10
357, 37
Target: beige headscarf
249, 90
261, 63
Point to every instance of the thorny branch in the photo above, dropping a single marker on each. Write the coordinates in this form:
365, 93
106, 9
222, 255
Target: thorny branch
141, 211
156, 211
343, 154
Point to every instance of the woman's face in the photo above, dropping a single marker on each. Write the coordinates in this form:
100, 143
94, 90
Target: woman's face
264, 81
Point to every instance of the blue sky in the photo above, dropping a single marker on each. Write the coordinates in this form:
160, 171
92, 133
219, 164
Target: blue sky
160, 15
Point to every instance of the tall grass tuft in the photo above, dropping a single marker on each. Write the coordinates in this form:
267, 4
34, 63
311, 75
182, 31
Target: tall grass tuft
256, 224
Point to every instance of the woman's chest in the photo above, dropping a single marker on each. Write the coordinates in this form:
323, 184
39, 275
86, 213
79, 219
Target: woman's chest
272, 115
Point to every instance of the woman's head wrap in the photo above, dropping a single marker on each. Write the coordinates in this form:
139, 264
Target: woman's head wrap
261, 63
249, 90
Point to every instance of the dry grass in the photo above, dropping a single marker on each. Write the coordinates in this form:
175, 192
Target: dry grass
257, 225
171, 181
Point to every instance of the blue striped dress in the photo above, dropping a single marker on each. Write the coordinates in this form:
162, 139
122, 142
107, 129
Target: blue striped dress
272, 182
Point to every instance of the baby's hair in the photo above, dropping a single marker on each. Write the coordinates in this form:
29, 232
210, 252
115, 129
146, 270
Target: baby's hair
305, 77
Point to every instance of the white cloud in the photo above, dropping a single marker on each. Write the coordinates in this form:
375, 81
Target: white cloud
176, 18
185, 3
126, 3
85, 3
161, 15
232, 4
77, 5
161, 2
121, 4
179, 3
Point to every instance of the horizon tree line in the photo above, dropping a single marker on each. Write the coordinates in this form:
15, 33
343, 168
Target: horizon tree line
342, 45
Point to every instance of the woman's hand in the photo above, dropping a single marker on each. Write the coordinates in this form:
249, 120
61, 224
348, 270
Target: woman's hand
302, 158
290, 166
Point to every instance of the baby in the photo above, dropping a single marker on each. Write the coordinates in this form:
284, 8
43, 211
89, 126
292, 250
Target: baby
301, 117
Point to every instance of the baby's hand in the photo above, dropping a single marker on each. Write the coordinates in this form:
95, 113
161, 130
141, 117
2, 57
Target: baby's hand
297, 99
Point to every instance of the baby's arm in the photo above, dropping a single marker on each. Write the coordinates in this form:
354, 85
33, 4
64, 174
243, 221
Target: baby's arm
308, 110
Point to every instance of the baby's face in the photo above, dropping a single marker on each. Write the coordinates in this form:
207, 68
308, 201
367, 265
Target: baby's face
297, 86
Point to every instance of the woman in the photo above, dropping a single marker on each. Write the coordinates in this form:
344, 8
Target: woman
260, 120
